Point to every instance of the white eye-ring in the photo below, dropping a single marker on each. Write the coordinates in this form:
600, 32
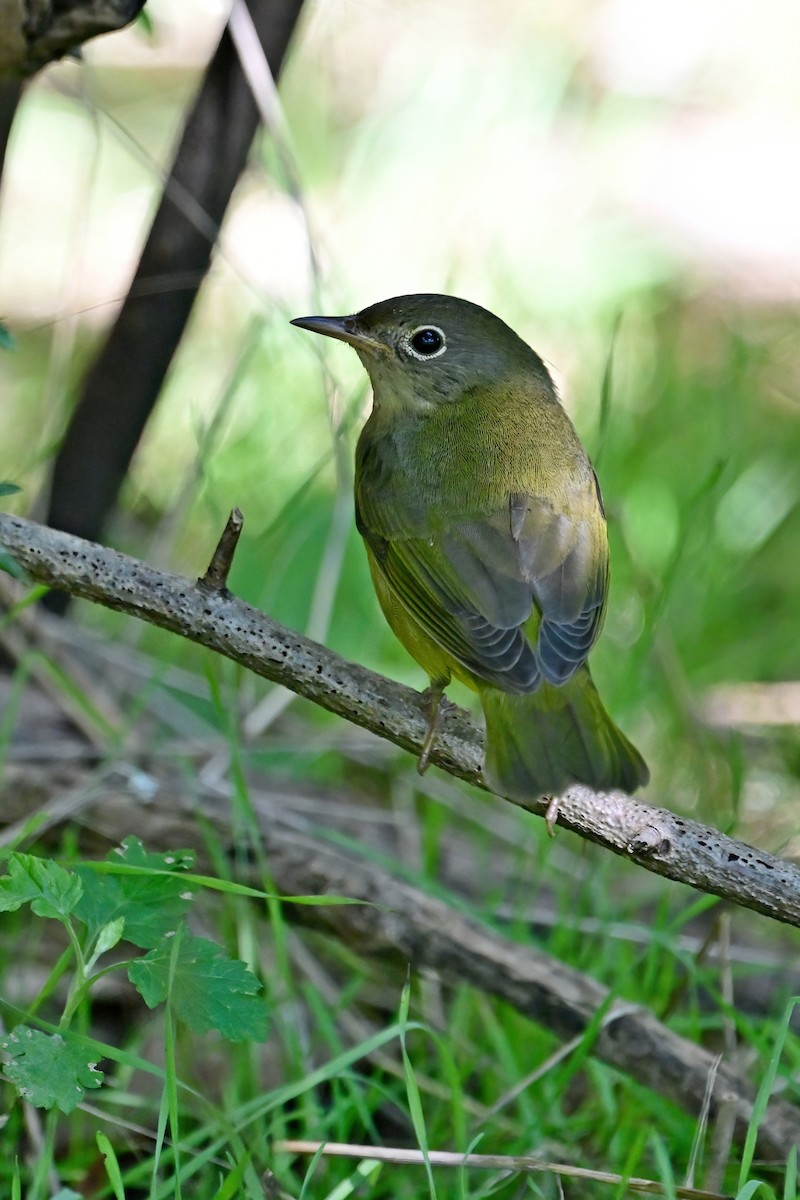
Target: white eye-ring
427, 341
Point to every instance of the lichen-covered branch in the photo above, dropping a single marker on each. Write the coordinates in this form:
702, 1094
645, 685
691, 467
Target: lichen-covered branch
663, 843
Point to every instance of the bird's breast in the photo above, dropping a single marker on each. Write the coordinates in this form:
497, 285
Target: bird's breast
467, 459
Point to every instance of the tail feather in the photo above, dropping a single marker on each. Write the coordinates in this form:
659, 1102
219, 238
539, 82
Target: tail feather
540, 743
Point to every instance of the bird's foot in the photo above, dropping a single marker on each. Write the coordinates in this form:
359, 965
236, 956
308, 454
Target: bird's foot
436, 704
551, 815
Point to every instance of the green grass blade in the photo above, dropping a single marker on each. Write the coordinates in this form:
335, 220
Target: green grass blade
412, 1088
112, 1165
764, 1093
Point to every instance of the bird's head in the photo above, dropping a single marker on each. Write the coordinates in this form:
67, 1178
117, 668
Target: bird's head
425, 350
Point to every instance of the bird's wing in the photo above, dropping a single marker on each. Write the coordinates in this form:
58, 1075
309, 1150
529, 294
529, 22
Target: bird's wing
565, 561
474, 618
472, 585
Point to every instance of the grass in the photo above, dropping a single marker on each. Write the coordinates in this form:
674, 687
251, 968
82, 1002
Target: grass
695, 429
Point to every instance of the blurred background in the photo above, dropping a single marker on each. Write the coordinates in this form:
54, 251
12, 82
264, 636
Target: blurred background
606, 176
618, 181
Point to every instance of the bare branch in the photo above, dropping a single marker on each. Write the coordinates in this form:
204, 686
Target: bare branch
216, 576
667, 845
488, 1162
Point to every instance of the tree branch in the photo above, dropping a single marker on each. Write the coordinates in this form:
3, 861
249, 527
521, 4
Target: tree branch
671, 846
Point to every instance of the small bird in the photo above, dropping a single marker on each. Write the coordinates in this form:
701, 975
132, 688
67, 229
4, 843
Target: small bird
486, 537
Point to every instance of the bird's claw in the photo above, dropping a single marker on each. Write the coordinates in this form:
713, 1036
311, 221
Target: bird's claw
436, 703
551, 815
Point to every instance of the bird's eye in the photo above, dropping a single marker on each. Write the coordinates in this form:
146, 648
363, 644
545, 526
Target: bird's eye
427, 342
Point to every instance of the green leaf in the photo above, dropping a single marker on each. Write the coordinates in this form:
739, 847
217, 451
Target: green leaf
133, 854
11, 567
206, 989
752, 1188
233, 1185
151, 905
6, 340
8, 489
48, 888
112, 1165
48, 1069
107, 938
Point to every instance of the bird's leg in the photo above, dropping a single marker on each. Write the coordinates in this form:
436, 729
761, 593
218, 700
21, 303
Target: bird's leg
435, 704
551, 815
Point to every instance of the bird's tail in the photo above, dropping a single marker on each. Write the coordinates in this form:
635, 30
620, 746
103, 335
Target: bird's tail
540, 743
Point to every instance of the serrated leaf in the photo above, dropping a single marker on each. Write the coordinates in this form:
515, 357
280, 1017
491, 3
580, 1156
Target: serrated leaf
48, 888
151, 905
133, 854
206, 989
48, 1069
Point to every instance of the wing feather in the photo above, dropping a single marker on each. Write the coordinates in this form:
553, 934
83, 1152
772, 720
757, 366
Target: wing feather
515, 596
433, 594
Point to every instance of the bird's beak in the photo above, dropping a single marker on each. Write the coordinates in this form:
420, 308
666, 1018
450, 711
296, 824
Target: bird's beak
345, 329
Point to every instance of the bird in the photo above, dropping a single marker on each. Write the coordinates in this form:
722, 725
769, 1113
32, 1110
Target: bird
486, 538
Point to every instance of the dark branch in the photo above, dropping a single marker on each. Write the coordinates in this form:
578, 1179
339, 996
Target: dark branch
132, 365
34, 33
54, 30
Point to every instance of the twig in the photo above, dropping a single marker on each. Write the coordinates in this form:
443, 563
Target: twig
491, 1162
216, 576
671, 846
